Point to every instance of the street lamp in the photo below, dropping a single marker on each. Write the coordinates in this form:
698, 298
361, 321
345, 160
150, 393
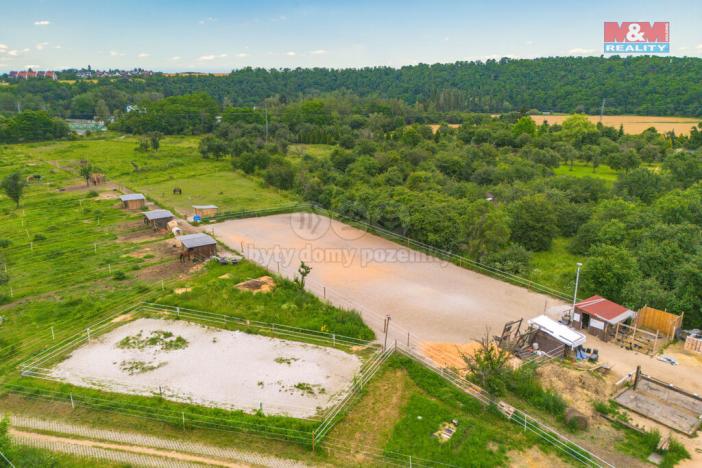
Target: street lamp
575, 290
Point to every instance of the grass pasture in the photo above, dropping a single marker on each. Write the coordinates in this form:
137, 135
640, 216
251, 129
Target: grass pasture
177, 163
580, 169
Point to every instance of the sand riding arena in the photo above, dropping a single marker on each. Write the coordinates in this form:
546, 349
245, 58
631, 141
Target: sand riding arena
352, 268
177, 355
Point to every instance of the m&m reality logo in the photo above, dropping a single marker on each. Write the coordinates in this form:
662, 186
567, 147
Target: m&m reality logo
636, 37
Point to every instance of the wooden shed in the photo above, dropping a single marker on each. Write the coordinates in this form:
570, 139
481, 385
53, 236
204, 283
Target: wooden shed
196, 246
133, 201
158, 219
205, 211
599, 316
554, 338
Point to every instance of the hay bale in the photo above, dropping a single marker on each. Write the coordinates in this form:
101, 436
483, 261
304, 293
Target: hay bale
576, 418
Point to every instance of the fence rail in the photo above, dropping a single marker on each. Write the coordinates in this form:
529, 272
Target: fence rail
318, 435
517, 416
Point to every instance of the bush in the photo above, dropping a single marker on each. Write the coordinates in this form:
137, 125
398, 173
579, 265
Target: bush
4, 243
92, 194
119, 276
39, 237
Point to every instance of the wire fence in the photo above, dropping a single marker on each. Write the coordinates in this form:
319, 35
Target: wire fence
138, 439
515, 415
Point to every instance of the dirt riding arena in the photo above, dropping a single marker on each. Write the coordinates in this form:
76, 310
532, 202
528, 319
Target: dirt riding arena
188, 362
435, 300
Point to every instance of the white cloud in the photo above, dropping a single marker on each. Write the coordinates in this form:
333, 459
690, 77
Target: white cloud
41, 45
529, 43
699, 47
13, 52
209, 19
580, 51
175, 57
26, 49
291, 54
42, 23
57, 46
318, 52
211, 56
116, 53
142, 55
31, 66
3, 46
242, 55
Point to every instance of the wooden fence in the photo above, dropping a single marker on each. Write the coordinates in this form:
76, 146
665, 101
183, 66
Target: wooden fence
659, 321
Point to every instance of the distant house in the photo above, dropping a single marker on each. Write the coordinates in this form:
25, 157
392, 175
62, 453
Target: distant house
133, 201
196, 246
205, 211
598, 315
158, 219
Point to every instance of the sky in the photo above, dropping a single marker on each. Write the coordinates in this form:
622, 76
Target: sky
219, 35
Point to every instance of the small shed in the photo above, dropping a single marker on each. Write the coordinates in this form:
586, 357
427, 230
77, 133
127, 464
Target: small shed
158, 219
599, 316
196, 246
133, 201
205, 211
554, 337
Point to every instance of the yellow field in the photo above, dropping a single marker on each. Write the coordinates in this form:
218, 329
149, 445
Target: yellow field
633, 124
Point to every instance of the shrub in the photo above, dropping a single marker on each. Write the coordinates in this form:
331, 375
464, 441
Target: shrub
119, 276
39, 237
4, 243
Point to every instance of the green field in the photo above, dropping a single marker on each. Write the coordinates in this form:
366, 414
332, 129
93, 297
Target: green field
580, 169
177, 163
555, 267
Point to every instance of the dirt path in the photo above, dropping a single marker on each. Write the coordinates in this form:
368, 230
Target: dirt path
44, 440
133, 447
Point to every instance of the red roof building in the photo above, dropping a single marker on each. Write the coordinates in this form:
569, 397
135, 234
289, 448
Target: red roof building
597, 314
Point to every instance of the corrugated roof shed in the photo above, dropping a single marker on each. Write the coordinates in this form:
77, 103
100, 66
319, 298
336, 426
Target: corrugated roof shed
190, 241
559, 331
158, 214
131, 196
604, 309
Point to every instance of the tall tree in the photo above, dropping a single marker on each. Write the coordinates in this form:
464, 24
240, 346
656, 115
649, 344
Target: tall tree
13, 186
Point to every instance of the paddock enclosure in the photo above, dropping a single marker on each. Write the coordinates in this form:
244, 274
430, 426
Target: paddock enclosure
433, 299
188, 362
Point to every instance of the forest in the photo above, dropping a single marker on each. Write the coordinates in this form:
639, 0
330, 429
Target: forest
552, 84
498, 189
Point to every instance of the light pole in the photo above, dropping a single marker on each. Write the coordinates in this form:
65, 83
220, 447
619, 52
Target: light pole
575, 290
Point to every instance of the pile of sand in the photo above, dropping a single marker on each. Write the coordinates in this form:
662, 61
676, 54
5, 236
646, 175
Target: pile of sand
451, 355
264, 284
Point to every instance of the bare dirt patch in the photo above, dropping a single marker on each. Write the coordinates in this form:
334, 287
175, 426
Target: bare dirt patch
218, 368
579, 388
180, 291
264, 284
123, 318
533, 457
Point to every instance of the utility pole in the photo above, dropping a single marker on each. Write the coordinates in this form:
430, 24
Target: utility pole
575, 290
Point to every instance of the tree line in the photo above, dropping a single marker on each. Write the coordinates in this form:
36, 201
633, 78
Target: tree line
643, 85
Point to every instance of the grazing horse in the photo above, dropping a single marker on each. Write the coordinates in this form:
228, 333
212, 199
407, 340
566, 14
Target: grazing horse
177, 191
